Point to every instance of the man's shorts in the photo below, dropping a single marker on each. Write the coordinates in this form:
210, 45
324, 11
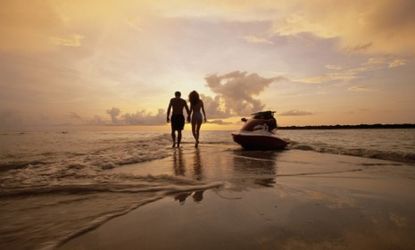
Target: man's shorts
177, 122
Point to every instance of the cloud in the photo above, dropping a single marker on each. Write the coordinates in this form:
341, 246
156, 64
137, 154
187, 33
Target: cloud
114, 113
360, 26
340, 73
360, 89
219, 122
69, 41
26, 26
235, 95
145, 118
397, 63
12, 119
97, 120
257, 40
74, 116
360, 47
236, 91
295, 112
141, 117
333, 67
213, 106
134, 24
43, 71
39, 26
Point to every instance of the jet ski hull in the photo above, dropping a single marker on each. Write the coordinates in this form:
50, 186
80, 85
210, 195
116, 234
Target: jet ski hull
254, 141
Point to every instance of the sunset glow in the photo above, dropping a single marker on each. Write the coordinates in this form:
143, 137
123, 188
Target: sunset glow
314, 62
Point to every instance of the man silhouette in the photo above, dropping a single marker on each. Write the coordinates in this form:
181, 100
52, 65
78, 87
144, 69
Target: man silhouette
177, 118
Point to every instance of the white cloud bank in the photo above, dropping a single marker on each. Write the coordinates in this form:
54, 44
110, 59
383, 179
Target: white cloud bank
236, 93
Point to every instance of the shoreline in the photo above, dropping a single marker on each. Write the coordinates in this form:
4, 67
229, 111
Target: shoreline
289, 199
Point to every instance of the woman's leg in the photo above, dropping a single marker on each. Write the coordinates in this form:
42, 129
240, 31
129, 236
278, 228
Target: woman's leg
194, 128
198, 125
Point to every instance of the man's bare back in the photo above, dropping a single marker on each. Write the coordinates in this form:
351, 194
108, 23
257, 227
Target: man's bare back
177, 105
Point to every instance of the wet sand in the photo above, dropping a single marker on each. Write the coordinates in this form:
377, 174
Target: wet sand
268, 200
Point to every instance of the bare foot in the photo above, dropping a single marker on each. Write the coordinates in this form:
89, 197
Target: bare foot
198, 196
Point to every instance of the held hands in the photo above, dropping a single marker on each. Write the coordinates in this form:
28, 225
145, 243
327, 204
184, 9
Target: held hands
188, 118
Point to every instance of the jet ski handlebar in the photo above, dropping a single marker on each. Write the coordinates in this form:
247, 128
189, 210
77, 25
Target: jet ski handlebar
263, 115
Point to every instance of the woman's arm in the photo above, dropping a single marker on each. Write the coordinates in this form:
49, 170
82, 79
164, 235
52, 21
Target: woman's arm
203, 110
189, 113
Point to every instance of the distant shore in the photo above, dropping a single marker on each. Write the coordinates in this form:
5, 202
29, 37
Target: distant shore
359, 126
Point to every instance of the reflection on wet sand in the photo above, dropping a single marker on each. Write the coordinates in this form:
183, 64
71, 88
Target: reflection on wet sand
180, 169
197, 166
259, 166
247, 169
178, 162
244, 169
198, 174
197, 196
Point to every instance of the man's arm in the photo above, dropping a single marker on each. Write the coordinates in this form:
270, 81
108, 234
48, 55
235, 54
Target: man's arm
187, 110
168, 112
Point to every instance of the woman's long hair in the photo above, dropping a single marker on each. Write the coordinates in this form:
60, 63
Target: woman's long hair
194, 97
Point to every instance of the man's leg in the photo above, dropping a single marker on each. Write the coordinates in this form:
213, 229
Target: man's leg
179, 137
173, 137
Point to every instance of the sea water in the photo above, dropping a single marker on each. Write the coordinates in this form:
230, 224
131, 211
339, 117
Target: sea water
57, 183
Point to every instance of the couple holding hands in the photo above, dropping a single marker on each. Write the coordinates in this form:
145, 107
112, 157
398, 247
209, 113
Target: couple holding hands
194, 114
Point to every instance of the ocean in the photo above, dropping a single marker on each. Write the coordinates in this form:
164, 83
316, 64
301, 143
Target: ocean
56, 184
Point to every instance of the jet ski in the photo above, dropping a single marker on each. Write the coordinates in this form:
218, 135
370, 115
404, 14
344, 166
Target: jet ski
258, 133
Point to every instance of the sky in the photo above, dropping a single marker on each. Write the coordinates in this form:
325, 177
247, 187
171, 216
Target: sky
119, 62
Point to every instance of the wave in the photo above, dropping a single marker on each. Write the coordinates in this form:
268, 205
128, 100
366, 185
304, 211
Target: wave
115, 183
405, 157
53, 244
109, 197
57, 242
6, 166
104, 154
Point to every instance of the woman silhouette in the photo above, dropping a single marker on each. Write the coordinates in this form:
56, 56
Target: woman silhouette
195, 106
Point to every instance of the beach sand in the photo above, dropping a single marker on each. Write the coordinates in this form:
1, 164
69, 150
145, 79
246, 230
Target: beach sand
268, 200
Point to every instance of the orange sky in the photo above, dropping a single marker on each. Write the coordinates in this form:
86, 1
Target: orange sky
314, 62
